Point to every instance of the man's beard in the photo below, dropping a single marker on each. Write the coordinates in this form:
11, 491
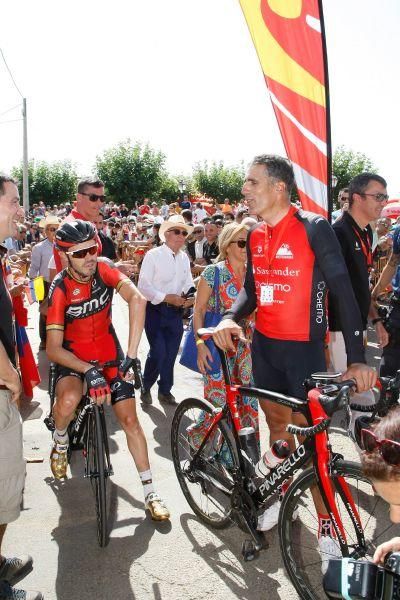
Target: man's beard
80, 275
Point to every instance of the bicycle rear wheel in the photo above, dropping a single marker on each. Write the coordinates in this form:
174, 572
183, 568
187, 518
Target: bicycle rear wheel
207, 477
98, 469
298, 534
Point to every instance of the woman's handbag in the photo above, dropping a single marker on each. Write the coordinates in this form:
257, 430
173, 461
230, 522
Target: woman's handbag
189, 349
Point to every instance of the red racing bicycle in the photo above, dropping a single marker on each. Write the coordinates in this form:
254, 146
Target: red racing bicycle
219, 484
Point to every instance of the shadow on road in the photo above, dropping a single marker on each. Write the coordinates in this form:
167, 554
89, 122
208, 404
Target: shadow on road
84, 569
246, 580
162, 430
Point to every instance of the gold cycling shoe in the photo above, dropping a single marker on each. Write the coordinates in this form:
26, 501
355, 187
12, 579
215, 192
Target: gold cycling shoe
155, 504
59, 460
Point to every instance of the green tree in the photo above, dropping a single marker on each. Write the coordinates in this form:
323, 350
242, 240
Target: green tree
170, 188
347, 164
132, 172
219, 181
51, 183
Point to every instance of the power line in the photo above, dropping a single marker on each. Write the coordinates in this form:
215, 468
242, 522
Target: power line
11, 75
11, 121
9, 110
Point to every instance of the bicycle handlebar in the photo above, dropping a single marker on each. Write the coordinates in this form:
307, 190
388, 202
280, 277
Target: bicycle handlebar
308, 431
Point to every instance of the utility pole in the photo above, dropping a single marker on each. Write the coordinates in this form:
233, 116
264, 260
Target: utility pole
25, 178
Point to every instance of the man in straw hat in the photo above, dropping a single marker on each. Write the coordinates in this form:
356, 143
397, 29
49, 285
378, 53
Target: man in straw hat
165, 279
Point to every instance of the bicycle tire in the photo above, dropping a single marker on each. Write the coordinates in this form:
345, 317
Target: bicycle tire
207, 485
298, 536
97, 471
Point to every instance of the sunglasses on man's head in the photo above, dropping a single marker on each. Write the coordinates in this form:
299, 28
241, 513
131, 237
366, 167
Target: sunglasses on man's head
82, 253
94, 197
388, 449
240, 243
179, 232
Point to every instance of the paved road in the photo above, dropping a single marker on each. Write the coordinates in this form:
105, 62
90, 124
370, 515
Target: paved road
180, 560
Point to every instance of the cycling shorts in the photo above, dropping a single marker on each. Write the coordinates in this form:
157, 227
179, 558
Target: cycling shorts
120, 389
283, 365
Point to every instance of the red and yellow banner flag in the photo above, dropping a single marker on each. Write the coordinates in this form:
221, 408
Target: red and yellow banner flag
290, 42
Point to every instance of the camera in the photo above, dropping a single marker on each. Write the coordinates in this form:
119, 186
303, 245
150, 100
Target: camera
348, 578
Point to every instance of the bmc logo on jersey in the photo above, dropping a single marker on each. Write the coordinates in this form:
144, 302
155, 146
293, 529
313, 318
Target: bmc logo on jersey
284, 252
89, 307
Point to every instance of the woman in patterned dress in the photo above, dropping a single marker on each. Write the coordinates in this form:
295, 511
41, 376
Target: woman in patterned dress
231, 264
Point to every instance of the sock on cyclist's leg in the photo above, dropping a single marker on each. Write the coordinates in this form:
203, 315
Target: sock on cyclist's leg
147, 482
61, 436
325, 526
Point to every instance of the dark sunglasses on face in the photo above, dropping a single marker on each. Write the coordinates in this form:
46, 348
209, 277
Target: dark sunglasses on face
52, 229
240, 243
82, 253
94, 197
378, 197
179, 232
388, 449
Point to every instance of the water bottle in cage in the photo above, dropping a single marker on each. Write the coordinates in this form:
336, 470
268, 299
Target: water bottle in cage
272, 457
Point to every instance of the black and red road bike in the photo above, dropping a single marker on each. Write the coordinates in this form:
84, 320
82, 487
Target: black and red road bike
213, 471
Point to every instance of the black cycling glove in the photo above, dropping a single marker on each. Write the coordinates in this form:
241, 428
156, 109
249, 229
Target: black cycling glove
97, 386
134, 364
125, 365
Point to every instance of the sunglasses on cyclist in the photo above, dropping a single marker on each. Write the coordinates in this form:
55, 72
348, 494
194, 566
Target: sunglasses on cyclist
388, 449
378, 197
94, 197
82, 253
240, 243
179, 232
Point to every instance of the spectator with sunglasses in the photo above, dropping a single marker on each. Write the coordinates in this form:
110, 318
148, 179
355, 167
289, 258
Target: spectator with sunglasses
40, 258
212, 296
89, 200
380, 461
367, 196
165, 280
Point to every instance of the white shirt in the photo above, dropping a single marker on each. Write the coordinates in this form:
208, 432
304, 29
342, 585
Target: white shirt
198, 248
41, 254
164, 211
199, 214
163, 272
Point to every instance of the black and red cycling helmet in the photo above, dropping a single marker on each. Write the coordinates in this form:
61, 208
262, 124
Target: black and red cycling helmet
74, 232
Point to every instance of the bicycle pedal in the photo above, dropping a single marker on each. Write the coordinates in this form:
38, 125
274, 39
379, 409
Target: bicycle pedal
249, 550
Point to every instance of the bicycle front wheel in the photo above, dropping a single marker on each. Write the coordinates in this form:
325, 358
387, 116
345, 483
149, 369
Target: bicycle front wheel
298, 526
206, 477
97, 470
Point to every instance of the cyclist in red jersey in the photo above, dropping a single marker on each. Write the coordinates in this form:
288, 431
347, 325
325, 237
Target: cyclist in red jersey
293, 259
80, 335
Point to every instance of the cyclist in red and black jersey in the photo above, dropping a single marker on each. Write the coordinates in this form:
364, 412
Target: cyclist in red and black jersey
81, 337
293, 260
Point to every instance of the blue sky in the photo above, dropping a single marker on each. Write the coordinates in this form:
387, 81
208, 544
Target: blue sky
183, 75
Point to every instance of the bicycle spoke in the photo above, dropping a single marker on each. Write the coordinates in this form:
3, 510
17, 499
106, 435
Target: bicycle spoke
203, 460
